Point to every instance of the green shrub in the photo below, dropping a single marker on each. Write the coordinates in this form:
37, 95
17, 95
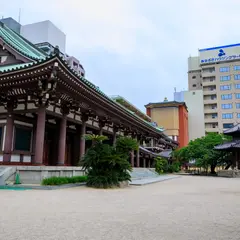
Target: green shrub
175, 167
161, 165
63, 180
107, 166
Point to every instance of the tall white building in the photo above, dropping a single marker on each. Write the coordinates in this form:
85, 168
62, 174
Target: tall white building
44, 32
194, 102
216, 71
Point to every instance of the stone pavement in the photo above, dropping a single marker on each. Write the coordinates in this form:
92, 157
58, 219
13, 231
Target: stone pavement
190, 207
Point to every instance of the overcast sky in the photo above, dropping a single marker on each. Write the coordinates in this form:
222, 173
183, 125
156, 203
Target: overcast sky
135, 48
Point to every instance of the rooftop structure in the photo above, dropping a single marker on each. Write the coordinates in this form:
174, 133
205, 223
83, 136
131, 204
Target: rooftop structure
46, 107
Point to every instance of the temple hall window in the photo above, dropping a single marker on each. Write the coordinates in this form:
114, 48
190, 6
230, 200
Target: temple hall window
23, 139
224, 69
227, 115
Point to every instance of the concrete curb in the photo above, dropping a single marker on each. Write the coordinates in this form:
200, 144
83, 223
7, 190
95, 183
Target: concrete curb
152, 182
29, 187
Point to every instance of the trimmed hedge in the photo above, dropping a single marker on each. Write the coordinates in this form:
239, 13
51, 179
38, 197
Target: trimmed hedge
63, 180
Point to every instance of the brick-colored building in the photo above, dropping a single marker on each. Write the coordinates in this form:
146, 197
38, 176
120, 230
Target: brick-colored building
173, 116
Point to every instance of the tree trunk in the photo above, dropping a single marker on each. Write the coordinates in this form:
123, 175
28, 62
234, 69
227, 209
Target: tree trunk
213, 166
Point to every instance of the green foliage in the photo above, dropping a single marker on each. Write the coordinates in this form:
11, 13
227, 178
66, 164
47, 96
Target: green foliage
108, 166
202, 151
161, 165
126, 144
95, 138
63, 180
174, 167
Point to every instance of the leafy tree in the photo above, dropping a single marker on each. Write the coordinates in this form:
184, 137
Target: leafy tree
202, 151
161, 165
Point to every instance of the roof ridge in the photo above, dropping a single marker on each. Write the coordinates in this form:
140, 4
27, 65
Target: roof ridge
20, 44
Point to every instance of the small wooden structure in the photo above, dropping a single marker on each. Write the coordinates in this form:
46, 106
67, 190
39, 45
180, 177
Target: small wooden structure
232, 146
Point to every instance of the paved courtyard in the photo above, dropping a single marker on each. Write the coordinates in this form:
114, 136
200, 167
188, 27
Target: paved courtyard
182, 208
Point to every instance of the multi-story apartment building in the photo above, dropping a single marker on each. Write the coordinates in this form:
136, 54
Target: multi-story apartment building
216, 71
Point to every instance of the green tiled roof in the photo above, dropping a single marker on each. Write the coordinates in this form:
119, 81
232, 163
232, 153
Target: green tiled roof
20, 44
14, 67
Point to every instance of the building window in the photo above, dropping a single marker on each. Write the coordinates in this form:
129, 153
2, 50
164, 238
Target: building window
227, 125
237, 77
225, 78
237, 95
238, 115
237, 105
193, 77
214, 115
193, 93
23, 139
224, 69
226, 96
225, 87
237, 67
227, 115
227, 106
194, 85
237, 86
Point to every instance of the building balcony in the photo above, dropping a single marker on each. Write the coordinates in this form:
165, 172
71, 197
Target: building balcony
208, 74
211, 120
209, 83
210, 110
208, 129
209, 92
210, 101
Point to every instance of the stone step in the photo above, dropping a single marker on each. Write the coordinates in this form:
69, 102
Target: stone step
139, 173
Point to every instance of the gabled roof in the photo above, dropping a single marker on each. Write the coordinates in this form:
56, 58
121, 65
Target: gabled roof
20, 44
131, 107
228, 145
165, 104
235, 129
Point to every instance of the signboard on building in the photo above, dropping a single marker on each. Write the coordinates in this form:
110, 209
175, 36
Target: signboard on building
219, 54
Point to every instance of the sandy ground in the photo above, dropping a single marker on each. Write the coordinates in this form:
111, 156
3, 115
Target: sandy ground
183, 208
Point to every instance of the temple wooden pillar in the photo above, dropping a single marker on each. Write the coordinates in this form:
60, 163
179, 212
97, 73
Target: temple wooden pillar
101, 125
62, 140
8, 138
40, 133
144, 161
82, 134
132, 158
115, 130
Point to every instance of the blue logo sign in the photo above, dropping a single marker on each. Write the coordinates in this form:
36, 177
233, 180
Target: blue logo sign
221, 53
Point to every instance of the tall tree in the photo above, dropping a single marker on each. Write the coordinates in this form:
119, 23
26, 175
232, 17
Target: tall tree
202, 151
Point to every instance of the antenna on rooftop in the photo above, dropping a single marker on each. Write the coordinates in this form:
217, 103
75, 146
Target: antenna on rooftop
19, 15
